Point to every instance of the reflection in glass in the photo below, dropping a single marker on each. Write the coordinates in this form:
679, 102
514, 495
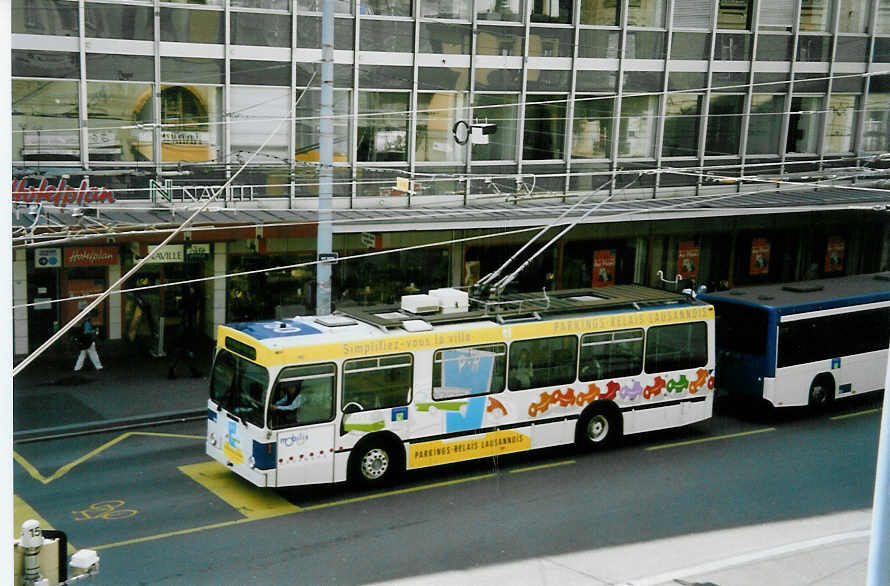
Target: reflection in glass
255, 114
544, 134
340, 6
813, 48
190, 116
383, 126
841, 124
456, 9
510, 10
601, 12
309, 33
264, 30
507, 80
853, 49
734, 14
502, 144
592, 128
636, 134
116, 21
47, 17
644, 45
259, 72
45, 120
192, 26
436, 116
853, 16
264, 4
443, 78
384, 8
876, 126
732, 47
774, 48
646, 13
552, 11
598, 44
192, 70
112, 114
552, 80
690, 46
385, 77
724, 124
765, 124
306, 127
120, 67
804, 124
596, 81
815, 15
499, 40
550, 42
681, 123
448, 39
59, 64
396, 36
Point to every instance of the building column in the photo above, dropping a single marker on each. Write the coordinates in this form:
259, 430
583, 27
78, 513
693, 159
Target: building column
20, 297
115, 317
219, 289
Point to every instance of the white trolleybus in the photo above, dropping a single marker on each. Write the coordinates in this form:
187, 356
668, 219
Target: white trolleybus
804, 343
366, 393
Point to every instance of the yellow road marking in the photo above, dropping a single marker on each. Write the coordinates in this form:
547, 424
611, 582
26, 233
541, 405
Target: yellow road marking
70, 465
297, 510
709, 439
530, 468
856, 414
249, 500
21, 512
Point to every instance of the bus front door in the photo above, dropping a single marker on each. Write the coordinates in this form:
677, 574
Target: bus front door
306, 455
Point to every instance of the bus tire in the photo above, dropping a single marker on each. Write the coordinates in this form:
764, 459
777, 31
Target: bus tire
375, 462
599, 427
821, 392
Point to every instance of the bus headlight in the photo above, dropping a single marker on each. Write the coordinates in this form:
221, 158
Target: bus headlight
252, 462
212, 439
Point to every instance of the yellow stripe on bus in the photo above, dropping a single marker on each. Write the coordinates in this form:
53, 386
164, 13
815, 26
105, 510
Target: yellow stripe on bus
464, 337
249, 500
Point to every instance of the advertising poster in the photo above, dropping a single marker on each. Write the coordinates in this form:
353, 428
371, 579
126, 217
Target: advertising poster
603, 268
759, 257
687, 259
834, 255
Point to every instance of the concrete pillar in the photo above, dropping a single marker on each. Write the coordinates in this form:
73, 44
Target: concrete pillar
20, 297
115, 318
219, 289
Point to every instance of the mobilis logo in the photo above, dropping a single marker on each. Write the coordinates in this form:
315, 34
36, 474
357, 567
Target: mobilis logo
61, 194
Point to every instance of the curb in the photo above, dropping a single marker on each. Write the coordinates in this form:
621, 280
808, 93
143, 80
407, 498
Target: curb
106, 425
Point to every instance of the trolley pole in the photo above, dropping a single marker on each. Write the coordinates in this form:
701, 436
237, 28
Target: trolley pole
326, 162
879, 548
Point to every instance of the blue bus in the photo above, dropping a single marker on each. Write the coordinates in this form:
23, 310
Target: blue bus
805, 343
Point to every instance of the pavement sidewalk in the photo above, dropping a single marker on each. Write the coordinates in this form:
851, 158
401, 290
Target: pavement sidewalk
830, 550
49, 398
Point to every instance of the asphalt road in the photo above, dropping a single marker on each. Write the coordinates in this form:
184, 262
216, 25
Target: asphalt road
139, 498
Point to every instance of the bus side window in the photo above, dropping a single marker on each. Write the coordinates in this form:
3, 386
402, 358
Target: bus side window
378, 383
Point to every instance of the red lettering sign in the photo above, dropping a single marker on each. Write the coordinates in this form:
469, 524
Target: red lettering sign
91, 256
687, 259
61, 194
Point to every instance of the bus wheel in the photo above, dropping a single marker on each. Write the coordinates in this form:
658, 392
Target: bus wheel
598, 428
821, 392
374, 463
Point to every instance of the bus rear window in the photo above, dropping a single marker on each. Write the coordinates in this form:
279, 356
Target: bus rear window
741, 328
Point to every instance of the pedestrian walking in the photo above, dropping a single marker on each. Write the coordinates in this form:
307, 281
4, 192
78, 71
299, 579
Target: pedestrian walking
86, 341
189, 337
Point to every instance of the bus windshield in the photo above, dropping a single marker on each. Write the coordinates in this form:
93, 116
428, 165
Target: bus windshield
238, 386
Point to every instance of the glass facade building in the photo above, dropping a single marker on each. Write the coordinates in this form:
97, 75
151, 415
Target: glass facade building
578, 89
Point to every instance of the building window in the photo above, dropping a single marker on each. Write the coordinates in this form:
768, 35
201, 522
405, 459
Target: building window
853, 16
765, 124
447, 39
456, 9
383, 135
636, 134
804, 124
599, 12
544, 134
113, 110
385, 8
393, 36
646, 13
841, 123
592, 128
724, 124
551, 11
265, 30
192, 26
45, 120
693, 46
504, 112
550, 42
115, 21
510, 10
499, 40
732, 47
46, 17
681, 125
436, 116
815, 15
